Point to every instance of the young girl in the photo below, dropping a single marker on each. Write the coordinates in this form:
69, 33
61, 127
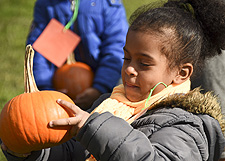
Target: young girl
154, 115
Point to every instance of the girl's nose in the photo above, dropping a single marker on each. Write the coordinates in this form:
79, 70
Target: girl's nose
130, 70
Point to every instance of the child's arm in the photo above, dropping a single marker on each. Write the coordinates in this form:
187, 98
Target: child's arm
117, 140
67, 151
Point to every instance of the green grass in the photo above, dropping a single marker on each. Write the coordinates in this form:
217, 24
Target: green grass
132, 5
16, 17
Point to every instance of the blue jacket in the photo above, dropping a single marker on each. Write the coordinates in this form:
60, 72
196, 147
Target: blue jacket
102, 26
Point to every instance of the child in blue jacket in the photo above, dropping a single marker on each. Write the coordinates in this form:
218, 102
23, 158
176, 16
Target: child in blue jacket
102, 26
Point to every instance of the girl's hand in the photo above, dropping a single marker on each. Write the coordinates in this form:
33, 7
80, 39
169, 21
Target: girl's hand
5, 148
80, 117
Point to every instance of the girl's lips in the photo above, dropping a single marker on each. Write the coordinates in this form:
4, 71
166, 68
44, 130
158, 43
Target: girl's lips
130, 85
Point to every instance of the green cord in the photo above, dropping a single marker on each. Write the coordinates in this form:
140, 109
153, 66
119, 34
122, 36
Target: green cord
150, 94
75, 13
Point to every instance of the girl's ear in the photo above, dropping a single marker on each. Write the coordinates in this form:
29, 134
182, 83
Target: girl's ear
184, 73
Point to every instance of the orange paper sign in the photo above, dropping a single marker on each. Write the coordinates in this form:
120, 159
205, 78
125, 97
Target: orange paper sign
56, 43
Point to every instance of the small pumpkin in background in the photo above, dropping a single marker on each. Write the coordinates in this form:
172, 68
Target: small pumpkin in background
24, 119
73, 77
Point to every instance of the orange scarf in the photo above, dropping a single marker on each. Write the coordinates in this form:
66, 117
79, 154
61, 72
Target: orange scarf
120, 106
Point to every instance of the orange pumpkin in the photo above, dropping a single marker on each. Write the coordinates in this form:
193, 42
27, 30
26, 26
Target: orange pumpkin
73, 77
24, 119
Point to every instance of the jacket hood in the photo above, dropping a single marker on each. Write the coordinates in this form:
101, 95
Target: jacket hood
207, 107
196, 102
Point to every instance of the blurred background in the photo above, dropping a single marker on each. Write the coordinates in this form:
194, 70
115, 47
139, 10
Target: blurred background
15, 20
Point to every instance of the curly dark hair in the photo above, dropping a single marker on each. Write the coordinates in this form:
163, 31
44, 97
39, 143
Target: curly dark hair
196, 28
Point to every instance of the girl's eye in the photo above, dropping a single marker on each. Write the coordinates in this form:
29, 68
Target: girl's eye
144, 64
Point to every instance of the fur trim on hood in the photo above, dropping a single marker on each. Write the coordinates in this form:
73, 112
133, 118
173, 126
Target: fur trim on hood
196, 102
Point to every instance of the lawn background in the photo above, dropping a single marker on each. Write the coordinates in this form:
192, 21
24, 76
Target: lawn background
15, 19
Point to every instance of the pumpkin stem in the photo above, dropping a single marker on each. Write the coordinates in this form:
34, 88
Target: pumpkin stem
71, 59
29, 82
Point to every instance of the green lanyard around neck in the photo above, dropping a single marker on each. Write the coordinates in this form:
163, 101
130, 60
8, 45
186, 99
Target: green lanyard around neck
150, 94
74, 17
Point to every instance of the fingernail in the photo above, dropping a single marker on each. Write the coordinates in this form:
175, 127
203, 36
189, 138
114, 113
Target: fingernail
51, 124
59, 100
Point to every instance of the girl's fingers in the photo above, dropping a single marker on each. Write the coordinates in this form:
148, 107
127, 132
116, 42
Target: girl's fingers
76, 121
69, 105
63, 122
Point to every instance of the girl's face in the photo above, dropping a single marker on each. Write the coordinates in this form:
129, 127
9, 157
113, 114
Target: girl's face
144, 66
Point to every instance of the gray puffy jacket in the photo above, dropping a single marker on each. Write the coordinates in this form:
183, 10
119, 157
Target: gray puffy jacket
179, 128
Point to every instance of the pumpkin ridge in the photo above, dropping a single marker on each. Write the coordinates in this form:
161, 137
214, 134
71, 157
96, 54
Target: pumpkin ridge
35, 117
46, 96
9, 118
58, 135
57, 117
29, 141
22, 130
